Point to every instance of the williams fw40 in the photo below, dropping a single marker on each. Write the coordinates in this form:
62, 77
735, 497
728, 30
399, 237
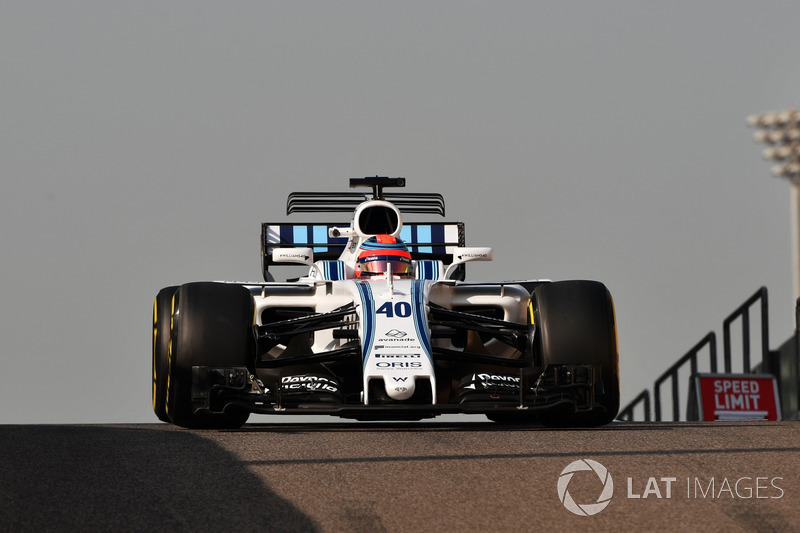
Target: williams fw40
382, 325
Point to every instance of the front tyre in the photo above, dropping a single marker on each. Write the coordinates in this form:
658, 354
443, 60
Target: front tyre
576, 325
210, 327
162, 314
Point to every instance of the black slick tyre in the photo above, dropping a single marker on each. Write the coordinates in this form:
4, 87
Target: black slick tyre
575, 325
210, 327
162, 313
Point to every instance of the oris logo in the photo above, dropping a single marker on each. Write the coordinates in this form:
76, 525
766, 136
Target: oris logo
585, 509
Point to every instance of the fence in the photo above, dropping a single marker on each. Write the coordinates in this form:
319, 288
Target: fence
691, 357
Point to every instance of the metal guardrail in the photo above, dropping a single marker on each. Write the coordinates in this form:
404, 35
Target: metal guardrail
672, 374
710, 340
743, 311
643, 398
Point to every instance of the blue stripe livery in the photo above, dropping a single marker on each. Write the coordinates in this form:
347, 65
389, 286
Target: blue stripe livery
333, 270
368, 318
418, 308
428, 270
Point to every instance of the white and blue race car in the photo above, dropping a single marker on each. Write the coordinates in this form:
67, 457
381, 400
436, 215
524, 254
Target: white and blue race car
382, 326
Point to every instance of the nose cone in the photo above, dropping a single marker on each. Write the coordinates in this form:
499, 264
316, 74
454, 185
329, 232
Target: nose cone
399, 387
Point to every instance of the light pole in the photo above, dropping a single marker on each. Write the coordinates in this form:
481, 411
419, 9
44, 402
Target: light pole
781, 131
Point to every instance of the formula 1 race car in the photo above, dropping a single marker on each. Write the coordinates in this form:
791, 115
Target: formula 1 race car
382, 326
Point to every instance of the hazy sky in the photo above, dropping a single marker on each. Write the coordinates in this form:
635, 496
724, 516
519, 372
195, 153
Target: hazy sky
143, 143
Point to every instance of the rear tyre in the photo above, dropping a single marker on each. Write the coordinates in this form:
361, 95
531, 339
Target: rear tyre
162, 314
210, 327
576, 326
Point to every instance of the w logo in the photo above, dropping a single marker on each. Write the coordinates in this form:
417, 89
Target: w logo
398, 380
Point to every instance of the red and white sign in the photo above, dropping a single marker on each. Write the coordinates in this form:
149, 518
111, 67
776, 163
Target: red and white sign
737, 397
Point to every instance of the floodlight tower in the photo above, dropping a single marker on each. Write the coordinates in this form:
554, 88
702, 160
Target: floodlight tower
781, 131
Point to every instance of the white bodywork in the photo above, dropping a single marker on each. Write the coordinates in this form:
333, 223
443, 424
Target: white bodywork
391, 313
392, 320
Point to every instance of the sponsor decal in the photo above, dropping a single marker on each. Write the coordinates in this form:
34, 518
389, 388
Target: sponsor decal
325, 387
497, 378
398, 365
396, 333
289, 255
492, 381
309, 383
306, 379
408, 342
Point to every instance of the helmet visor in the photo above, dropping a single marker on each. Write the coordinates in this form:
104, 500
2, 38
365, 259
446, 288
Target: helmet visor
399, 266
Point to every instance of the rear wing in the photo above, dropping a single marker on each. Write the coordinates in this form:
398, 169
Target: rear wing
425, 241
347, 202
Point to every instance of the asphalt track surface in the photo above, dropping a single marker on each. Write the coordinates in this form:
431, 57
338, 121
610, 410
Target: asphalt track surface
372, 477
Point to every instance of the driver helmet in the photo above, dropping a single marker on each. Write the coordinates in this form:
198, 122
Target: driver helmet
382, 253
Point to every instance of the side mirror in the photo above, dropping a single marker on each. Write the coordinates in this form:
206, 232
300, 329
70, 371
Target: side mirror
298, 256
466, 254
337, 232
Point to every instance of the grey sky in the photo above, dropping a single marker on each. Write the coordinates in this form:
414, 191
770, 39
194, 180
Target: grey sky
142, 143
